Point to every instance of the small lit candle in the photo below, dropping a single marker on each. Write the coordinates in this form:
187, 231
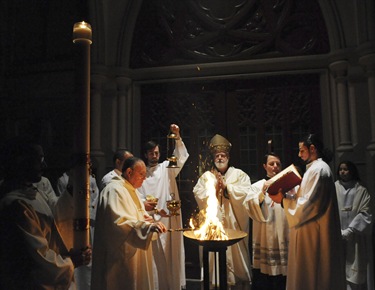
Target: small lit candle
82, 31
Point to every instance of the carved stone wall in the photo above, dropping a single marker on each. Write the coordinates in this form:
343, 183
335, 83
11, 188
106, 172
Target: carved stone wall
182, 32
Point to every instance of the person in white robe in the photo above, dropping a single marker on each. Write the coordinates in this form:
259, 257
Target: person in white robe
46, 190
44, 186
316, 253
44, 260
122, 256
32, 253
64, 213
232, 187
118, 162
356, 209
270, 233
168, 250
62, 209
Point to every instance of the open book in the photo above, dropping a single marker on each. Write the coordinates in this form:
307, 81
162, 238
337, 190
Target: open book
285, 179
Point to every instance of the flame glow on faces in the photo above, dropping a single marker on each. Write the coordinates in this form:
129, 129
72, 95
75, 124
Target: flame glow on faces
212, 228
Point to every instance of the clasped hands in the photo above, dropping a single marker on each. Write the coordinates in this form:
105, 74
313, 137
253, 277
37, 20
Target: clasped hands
221, 185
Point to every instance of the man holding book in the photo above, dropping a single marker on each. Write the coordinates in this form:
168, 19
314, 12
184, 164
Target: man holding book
315, 258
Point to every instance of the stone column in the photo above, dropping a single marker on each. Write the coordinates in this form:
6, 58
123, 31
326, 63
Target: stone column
135, 100
97, 154
123, 118
339, 70
114, 122
368, 61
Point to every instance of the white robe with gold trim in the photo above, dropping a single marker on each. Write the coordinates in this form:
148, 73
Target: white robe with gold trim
122, 256
235, 217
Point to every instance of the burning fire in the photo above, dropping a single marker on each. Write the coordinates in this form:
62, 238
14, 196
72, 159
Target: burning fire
212, 228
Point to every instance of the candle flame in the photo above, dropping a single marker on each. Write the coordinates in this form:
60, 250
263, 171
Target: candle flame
83, 24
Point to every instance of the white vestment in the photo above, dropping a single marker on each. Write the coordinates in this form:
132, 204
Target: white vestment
270, 232
64, 213
61, 207
31, 246
356, 212
168, 250
233, 216
107, 178
316, 256
122, 256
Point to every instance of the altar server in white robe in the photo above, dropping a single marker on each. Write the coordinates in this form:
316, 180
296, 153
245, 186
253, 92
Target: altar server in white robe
270, 232
122, 256
316, 253
356, 207
168, 250
232, 187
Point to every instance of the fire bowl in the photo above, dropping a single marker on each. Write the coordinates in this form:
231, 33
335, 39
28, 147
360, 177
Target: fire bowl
234, 236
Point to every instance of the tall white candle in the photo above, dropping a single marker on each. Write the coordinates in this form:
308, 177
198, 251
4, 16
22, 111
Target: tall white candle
82, 35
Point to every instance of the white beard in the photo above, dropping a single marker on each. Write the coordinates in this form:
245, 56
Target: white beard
221, 165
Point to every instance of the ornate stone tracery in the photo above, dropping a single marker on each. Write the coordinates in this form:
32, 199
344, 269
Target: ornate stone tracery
180, 32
